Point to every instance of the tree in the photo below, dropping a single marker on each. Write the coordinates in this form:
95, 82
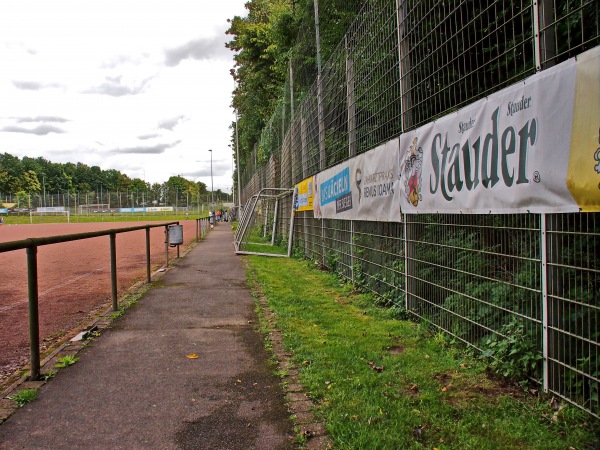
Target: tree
31, 184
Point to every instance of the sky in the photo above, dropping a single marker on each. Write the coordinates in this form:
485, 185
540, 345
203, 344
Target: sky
142, 87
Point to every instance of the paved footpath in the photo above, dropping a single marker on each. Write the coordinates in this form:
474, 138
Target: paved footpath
135, 387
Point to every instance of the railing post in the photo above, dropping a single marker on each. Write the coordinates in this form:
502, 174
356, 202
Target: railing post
34, 324
166, 246
113, 271
181, 238
148, 276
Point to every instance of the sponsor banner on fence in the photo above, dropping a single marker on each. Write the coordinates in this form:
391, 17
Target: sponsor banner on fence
507, 153
159, 208
131, 210
363, 188
583, 178
3, 210
304, 195
49, 209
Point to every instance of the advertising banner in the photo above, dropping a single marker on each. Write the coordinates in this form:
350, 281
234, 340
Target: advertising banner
363, 188
159, 208
304, 195
50, 209
509, 152
583, 177
131, 210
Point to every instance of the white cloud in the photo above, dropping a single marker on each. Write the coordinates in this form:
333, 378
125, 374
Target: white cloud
138, 86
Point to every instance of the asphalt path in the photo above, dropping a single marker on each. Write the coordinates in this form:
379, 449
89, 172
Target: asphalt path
141, 386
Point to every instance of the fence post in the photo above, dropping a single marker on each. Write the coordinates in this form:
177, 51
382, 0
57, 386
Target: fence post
350, 101
148, 277
408, 269
34, 324
113, 271
352, 250
323, 260
320, 112
403, 69
544, 289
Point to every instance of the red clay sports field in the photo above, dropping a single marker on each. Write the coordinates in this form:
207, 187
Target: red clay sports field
74, 280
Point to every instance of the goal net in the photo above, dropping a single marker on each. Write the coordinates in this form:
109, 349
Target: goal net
59, 216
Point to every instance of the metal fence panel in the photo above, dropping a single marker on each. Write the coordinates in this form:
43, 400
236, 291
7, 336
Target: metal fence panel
522, 280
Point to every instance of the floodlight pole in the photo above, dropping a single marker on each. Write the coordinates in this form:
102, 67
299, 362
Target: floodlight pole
212, 189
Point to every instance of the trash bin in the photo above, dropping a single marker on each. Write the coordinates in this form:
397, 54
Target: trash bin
175, 235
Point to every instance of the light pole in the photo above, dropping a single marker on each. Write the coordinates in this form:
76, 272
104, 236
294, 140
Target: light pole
44, 182
212, 189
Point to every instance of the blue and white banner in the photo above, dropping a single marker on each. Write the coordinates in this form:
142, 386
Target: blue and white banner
131, 210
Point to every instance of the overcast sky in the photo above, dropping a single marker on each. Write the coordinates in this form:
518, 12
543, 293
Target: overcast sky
138, 86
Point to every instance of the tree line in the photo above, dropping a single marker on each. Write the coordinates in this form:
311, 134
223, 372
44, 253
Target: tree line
26, 177
273, 33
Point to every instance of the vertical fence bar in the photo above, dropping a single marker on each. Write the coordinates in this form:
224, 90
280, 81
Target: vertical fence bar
544, 288
350, 100
320, 112
113, 271
34, 324
352, 250
148, 276
407, 250
536, 35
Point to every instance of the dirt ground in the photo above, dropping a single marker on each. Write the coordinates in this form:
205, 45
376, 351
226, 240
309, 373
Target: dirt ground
73, 280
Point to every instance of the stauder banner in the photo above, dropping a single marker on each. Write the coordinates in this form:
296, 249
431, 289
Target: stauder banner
532, 147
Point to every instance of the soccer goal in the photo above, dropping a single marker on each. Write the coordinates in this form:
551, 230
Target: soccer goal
266, 224
54, 216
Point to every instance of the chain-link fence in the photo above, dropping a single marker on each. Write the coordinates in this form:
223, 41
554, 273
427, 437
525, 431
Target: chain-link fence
95, 202
524, 289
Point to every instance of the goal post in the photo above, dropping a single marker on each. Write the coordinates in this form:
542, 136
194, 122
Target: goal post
262, 227
45, 212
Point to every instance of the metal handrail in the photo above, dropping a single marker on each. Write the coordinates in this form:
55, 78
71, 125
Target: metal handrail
36, 242
31, 245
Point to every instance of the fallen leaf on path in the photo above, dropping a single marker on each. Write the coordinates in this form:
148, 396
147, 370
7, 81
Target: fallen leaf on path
192, 356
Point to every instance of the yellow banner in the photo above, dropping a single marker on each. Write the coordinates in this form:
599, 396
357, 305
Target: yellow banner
304, 195
583, 177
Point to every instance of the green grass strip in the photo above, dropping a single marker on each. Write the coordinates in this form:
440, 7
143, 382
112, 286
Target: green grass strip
383, 383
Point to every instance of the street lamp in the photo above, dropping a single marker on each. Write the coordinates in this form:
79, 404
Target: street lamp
212, 189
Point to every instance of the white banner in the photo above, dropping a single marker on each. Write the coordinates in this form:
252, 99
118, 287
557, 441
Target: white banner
503, 154
363, 188
49, 209
159, 208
